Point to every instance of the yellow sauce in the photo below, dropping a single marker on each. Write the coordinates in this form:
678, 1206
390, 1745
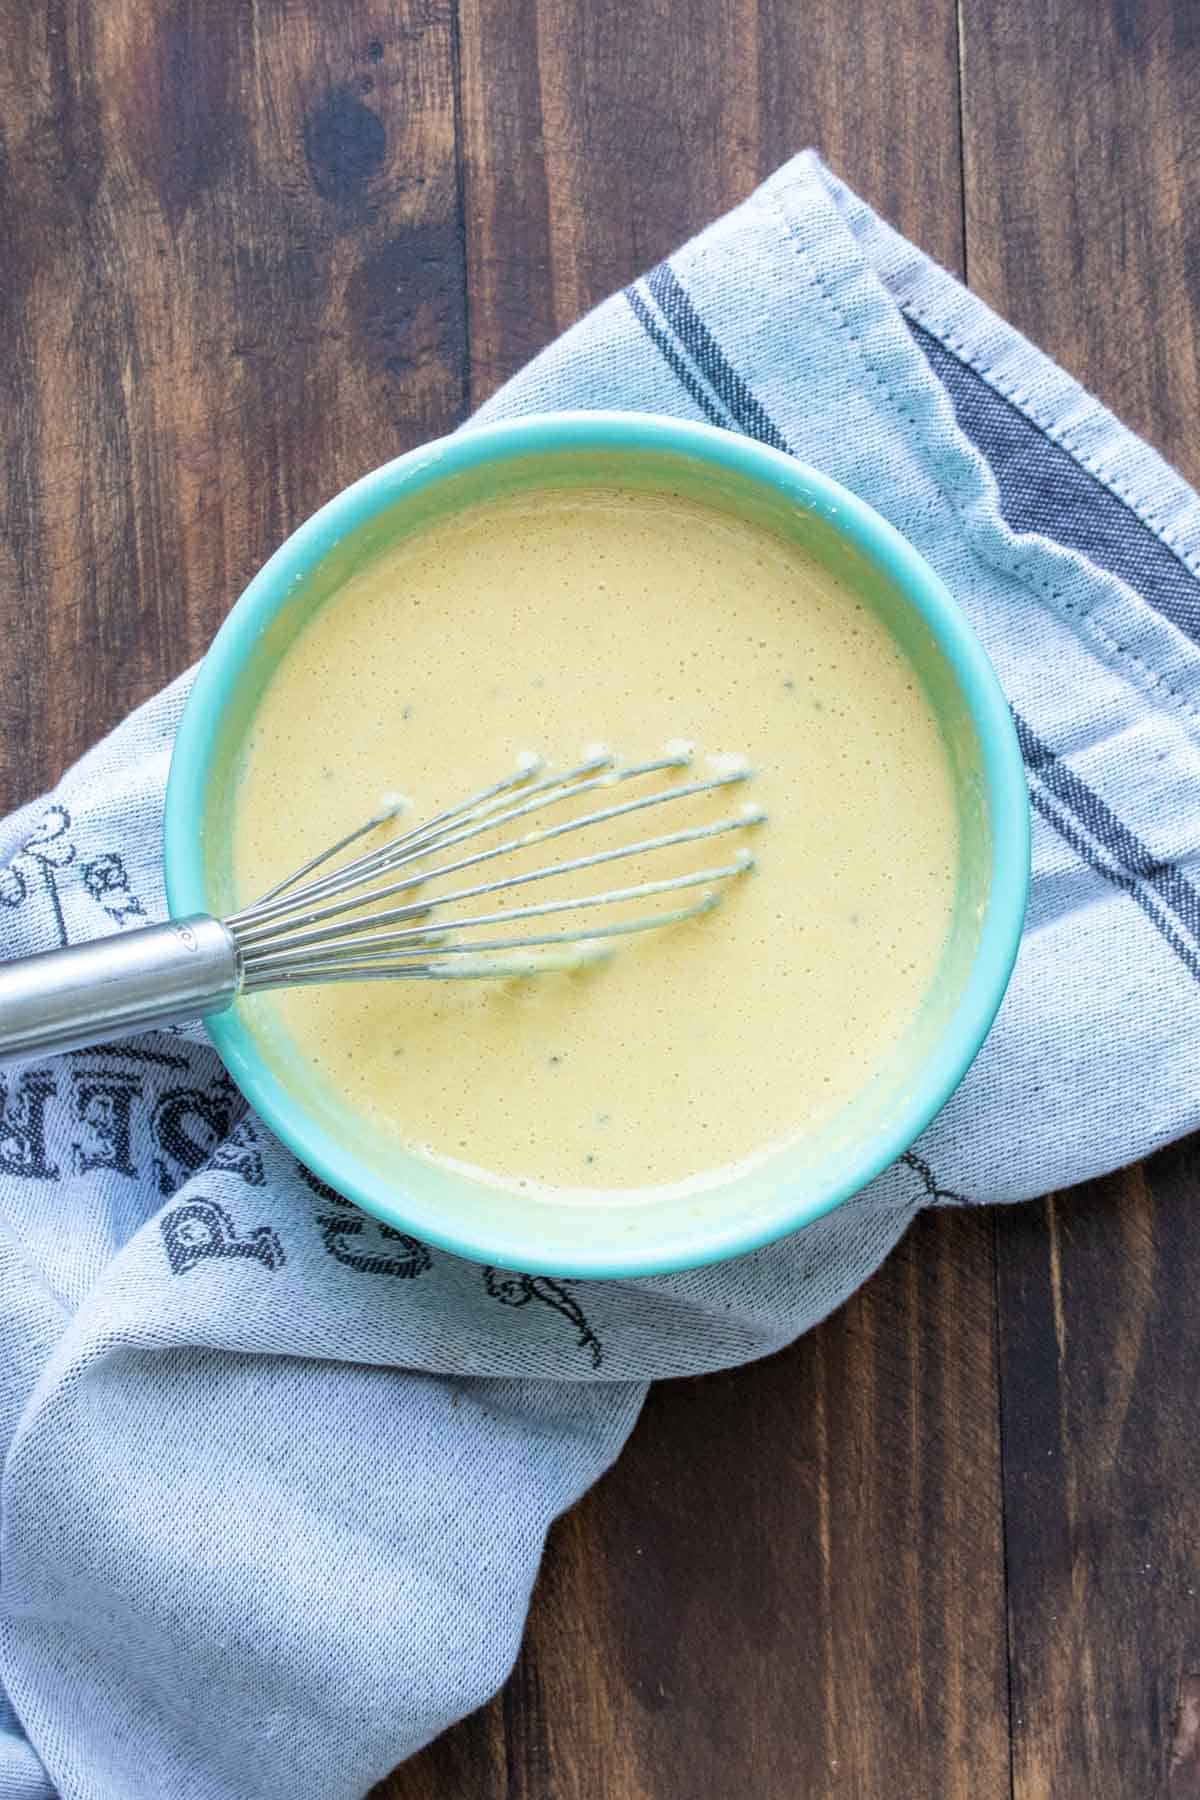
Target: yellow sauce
547, 622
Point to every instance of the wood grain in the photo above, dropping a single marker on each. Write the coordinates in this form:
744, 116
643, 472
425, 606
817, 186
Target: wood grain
1081, 139
596, 139
1097, 1298
1081, 136
231, 280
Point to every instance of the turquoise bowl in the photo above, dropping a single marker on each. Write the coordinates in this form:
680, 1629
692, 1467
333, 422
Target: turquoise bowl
794, 1185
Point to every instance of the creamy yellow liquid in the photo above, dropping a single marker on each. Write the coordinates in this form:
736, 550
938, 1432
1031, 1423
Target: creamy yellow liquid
546, 622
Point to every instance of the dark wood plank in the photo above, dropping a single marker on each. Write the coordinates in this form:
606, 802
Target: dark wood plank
1102, 1485
598, 138
1081, 136
231, 279
792, 1583
1080, 132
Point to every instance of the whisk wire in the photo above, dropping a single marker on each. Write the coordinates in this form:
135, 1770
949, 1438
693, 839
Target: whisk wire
458, 825
333, 927
362, 864
255, 924
318, 933
381, 959
539, 909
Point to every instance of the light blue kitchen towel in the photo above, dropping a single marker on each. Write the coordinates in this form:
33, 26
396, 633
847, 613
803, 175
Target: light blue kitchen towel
276, 1480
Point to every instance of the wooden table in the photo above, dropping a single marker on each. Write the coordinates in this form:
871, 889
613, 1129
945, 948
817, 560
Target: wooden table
946, 1546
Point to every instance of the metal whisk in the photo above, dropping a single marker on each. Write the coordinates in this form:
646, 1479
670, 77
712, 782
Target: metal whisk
363, 919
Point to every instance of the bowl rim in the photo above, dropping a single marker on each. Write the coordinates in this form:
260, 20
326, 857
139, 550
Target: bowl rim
335, 1162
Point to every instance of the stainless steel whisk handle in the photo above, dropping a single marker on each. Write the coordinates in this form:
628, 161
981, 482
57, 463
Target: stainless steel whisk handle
88, 993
